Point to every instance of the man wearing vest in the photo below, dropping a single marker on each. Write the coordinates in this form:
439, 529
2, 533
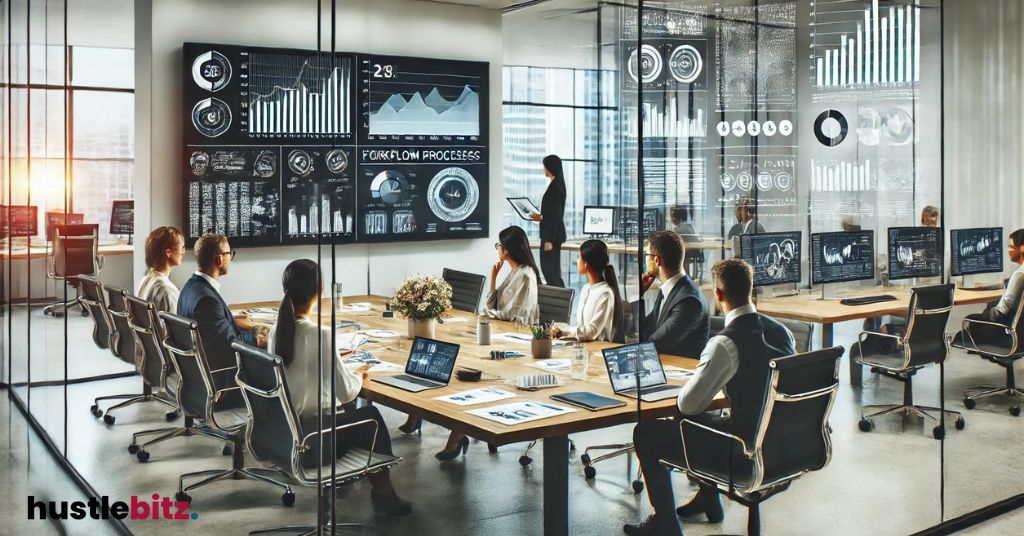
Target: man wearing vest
735, 360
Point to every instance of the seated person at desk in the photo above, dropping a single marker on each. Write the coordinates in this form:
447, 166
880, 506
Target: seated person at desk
165, 249
599, 311
929, 216
1002, 312
735, 360
201, 301
295, 338
681, 225
679, 324
746, 218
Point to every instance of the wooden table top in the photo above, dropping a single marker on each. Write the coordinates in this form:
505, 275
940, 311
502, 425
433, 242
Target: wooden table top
620, 248
472, 355
39, 251
810, 308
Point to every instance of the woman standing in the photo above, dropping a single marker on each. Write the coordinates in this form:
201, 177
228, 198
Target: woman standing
552, 222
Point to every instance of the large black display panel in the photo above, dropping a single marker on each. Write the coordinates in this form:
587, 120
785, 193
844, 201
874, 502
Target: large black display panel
283, 144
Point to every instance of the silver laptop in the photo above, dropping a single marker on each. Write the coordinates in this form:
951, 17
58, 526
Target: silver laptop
621, 363
429, 366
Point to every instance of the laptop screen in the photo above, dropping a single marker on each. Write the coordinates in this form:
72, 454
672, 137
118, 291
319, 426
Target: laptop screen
432, 359
621, 364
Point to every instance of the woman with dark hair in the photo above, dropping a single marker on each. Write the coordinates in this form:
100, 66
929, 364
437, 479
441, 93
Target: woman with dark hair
552, 222
599, 311
295, 338
165, 249
516, 298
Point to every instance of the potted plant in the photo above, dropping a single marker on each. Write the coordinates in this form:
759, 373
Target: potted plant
541, 343
423, 300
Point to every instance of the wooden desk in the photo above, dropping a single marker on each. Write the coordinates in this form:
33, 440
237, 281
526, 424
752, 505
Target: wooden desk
810, 308
554, 431
20, 252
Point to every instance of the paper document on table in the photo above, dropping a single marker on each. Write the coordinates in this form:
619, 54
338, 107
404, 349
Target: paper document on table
561, 366
523, 338
359, 307
262, 314
382, 333
476, 396
677, 373
359, 359
520, 412
351, 341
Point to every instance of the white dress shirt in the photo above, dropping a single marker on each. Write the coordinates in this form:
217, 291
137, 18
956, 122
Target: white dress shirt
158, 289
515, 299
595, 314
213, 282
1007, 305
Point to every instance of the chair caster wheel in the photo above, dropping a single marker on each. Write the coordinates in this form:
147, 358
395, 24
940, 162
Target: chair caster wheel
969, 404
227, 450
1015, 411
171, 415
865, 424
95, 410
525, 460
109, 419
638, 486
589, 472
960, 424
183, 497
142, 455
939, 432
288, 498
492, 448
585, 459
133, 448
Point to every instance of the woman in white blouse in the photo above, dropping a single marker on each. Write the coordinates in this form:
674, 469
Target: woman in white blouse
295, 339
599, 312
165, 248
516, 298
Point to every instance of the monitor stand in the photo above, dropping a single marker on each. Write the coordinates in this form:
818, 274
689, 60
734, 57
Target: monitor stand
829, 293
778, 291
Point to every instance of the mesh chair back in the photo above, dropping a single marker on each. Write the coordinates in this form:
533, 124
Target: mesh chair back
148, 333
124, 345
555, 303
793, 437
75, 249
803, 334
467, 289
96, 304
273, 430
926, 325
195, 386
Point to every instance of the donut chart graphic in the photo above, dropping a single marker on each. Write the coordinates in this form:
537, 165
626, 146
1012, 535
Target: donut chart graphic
211, 117
211, 71
685, 64
830, 128
650, 64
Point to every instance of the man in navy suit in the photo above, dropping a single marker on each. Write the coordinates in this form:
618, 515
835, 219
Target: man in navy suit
679, 324
201, 301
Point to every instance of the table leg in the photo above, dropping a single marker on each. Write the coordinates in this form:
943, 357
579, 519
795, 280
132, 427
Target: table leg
556, 486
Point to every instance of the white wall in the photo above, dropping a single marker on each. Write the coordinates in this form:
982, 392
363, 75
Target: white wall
400, 27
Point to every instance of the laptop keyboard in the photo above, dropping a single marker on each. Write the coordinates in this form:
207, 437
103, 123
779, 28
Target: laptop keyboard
417, 381
654, 388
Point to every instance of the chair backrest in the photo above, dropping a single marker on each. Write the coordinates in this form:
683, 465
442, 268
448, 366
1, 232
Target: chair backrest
793, 434
75, 250
124, 344
927, 316
803, 334
1017, 327
195, 383
467, 289
555, 303
96, 305
273, 432
53, 219
149, 334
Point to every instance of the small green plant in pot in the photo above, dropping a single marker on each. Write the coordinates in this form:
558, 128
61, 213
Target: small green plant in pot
541, 343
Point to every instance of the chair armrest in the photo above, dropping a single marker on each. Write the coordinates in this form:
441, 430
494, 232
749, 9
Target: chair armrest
216, 397
865, 335
966, 324
99, 261
709, 435
212, 372
303, 446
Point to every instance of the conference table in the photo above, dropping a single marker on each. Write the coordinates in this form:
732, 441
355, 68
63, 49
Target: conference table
621, 248
811, 308
554, 431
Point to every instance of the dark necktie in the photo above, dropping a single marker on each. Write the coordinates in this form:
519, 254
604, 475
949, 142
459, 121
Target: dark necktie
657, 308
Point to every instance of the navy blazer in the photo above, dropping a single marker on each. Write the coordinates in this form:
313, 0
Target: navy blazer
217, 329
683, 325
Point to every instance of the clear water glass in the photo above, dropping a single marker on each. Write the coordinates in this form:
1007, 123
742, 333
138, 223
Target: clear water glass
580, 362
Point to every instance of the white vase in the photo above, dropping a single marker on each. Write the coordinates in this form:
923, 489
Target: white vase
421, 327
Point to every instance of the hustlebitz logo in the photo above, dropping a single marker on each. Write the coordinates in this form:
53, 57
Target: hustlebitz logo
137, 508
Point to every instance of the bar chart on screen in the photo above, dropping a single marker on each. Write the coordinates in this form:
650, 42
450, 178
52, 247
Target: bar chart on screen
841, 176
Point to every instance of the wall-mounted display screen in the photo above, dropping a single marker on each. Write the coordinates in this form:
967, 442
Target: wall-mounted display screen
775, 257
976, 251
19, 220
914, 252
838, 257
122, 217
283, 144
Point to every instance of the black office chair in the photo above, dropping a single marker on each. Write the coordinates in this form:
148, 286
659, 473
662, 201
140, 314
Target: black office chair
900, 357
467, 289
793, 436
105, 335
555, 303
75, 253
197, 396
1002, 345
274, 433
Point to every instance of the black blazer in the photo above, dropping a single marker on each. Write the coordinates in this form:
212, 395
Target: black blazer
683, 326
217, 329
552, 207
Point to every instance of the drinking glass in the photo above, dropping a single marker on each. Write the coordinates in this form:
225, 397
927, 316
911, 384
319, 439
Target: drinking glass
580, 362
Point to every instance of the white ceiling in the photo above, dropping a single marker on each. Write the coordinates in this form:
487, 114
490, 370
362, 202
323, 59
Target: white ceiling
557, 33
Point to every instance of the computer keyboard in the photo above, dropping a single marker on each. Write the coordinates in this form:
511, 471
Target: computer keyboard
865, 300
417, 381
654, 388
994, 286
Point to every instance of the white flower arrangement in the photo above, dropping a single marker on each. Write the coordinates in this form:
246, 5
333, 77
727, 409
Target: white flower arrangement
422, 297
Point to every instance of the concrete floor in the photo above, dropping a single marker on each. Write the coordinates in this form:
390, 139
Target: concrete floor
884, 482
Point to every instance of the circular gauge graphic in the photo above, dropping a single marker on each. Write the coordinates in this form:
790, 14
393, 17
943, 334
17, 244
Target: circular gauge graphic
723, 128
764, 181
769, 128
337, 161
211, 117
830, 128
211, 71
739, 128
389, 186
685, 64
744, 180
300, 162
754, 128
728, 181
264, 166
650, 65
898, 126
785, 127
199, 161
453, 194
783, 181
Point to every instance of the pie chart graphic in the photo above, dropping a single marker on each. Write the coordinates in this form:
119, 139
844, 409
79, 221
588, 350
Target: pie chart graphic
453, 194
389, 186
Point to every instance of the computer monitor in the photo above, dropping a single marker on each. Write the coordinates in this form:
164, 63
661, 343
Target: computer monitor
842, 256
19, 220
775, 257
976, 251
914, 252
598, 220
122, 217
432, 359
58, 218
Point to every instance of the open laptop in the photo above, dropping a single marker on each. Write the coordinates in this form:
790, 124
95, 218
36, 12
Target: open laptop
429, 367
621, 363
